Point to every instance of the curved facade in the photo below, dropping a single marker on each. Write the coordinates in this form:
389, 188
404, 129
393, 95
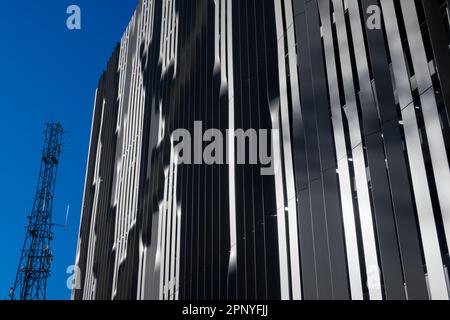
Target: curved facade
359, 207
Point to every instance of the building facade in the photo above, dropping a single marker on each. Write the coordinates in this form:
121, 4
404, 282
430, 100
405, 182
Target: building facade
359, 208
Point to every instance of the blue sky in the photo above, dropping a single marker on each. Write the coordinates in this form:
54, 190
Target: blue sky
49, 73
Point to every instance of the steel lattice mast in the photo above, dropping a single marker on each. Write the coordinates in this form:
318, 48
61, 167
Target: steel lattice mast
36, 258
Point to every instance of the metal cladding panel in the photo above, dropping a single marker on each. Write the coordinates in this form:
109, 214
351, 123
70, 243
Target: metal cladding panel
439, 43
341, 156
403, 212
353, 99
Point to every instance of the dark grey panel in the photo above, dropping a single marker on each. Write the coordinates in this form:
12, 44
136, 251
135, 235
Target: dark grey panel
396, 164
440, 45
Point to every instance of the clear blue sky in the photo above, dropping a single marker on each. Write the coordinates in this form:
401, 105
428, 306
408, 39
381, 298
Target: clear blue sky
49, 73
